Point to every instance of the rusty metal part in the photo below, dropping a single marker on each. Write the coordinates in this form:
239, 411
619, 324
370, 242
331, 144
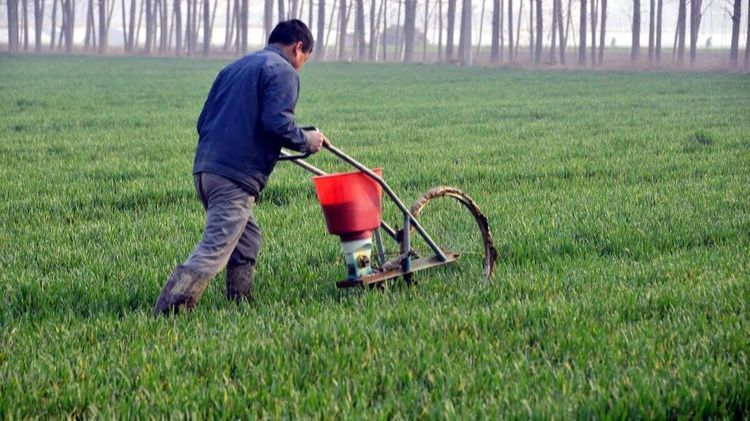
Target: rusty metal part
490, 253
380, 277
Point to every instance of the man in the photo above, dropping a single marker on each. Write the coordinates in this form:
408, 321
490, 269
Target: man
246, 120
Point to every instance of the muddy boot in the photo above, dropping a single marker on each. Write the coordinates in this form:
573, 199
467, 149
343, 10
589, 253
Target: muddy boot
239, 283
182, 291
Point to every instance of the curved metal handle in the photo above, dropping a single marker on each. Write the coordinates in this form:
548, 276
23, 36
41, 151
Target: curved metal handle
284, 157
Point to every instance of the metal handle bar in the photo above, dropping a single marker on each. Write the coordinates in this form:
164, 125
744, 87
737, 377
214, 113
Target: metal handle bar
408, 217
289, 157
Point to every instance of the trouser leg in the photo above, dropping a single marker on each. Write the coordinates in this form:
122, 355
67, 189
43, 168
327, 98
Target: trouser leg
242, 261
228, 208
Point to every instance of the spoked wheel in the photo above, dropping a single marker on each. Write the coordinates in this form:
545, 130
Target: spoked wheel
456, 224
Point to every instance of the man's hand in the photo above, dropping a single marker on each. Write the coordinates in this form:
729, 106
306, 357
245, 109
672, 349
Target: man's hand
317, 140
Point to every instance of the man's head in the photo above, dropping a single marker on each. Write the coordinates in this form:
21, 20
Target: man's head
295, 39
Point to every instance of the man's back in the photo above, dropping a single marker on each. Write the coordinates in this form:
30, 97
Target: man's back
247, 117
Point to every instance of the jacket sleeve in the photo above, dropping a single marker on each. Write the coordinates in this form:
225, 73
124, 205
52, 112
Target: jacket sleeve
280, 90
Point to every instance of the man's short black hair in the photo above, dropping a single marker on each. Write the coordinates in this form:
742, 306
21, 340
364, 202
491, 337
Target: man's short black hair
292, 31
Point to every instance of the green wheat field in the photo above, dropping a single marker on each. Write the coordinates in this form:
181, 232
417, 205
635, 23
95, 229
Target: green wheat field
619, 203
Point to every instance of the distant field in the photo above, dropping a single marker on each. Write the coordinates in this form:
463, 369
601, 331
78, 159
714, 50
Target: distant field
619, 202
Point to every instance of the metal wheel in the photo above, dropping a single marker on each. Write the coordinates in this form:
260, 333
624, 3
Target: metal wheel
454, 229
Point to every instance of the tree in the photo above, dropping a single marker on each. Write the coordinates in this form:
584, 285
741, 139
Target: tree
465, 33
410, 13
25, 14
553, 44
531, 30
651, 34
510, 30
13, 25
373, 28
680, 32
451, 26
747, 42
268, 17
38, 24
736, 16
342, 29
635, 47
560, 31
149, 26
539, 33
657, 48
131, 30
426, 27
602, 31
244, 6
359, 29
102, 26
206, 28
178, 26
320, 50
495, 46
582, 36
695, 24
593, 32
282, 12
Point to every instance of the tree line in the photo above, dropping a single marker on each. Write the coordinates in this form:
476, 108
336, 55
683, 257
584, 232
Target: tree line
185, 27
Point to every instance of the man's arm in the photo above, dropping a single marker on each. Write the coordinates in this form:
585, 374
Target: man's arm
280, 91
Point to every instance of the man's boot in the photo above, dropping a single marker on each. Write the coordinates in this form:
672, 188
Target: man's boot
182, 291
239, 283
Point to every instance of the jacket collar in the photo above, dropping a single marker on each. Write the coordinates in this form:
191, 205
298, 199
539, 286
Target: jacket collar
278, 51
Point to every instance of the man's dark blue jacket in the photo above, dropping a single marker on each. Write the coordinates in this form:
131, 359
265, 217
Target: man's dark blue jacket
248, 117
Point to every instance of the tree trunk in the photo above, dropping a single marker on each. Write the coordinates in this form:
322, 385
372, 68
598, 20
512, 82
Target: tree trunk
510, 30
531, 30
539, 33
149, 26
553, 32
359, 30
268, 17
90, 28
440, 31
561, 31
54, 24
602, 32
582, 36
695, 24
651, 34
747, 41
371, 47
657, 47
465, 33
681, 12
38, 23
178, 27
13, 25
736, 16
399, 39
282, 12
243, 20
102, 26
124, 25
385, 31
310, 16
25, 15
481, 28
321, 50
518, 29
635, 47
594, 5
237, 28
342, 30
450, 27
131, 31
70, 20
424, 37
495, 48
330, 27
206, 28
410, 13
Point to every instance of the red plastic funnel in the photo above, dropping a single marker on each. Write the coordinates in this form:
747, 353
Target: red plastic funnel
350, 202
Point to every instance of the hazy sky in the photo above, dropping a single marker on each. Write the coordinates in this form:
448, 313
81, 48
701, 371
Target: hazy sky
716, 22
